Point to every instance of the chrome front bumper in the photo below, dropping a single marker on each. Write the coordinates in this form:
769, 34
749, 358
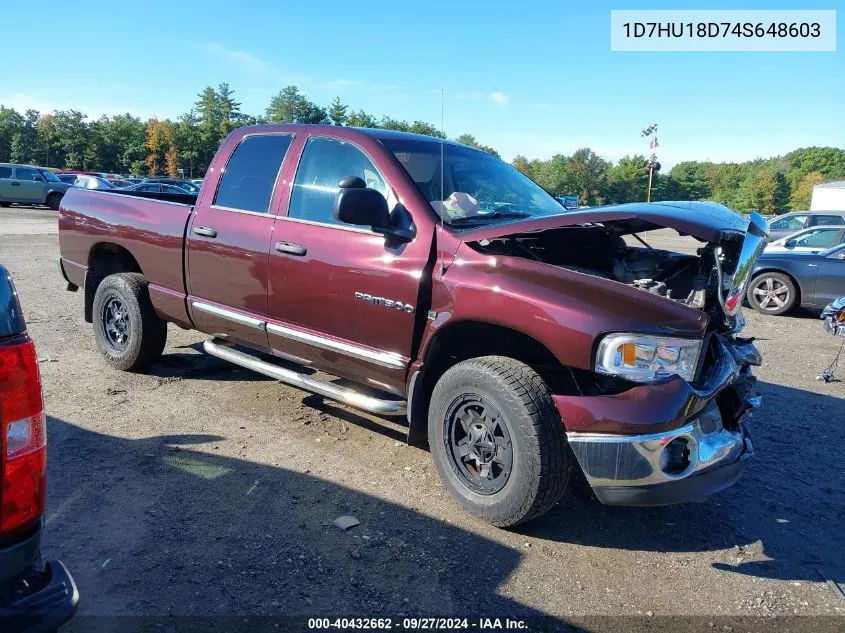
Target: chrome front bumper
704, 455
638, 470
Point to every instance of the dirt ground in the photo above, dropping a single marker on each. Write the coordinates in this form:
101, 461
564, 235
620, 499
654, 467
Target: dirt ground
202, 489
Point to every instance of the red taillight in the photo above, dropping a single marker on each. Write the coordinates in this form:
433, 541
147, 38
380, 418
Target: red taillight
23, 438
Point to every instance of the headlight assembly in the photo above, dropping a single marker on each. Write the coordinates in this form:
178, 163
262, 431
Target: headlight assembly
645, 358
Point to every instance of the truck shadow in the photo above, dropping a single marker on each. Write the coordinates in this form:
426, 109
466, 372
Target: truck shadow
785, 519
163, 526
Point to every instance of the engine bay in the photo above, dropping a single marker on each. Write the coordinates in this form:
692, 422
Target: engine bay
601, 250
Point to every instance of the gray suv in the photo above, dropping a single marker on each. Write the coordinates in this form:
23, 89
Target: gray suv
26, 184
789, 223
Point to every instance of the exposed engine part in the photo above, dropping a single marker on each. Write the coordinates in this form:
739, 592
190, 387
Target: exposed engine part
834, 323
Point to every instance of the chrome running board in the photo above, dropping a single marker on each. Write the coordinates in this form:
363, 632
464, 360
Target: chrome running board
220, 349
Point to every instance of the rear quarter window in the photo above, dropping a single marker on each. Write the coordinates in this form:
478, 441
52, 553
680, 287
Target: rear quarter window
830, 219
250, 175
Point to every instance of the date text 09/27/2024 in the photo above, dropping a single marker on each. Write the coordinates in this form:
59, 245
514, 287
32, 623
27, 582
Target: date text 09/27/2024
417, 624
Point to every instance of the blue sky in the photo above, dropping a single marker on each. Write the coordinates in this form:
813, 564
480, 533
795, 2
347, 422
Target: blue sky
530, 77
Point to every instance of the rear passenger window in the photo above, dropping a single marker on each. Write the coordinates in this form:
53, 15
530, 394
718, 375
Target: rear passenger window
829, 219
5, 172
324, 163
250, 175
25, 173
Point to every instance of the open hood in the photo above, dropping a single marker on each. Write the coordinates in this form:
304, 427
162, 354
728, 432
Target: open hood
706, 221
590, 242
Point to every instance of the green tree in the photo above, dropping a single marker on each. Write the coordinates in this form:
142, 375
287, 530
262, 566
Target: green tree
10, 124
523, 165
765, 190
228, 110
691, 178
587, 172
469, 139
291, 106
802, 194
337, 112
627, 180
25, 139
361, 119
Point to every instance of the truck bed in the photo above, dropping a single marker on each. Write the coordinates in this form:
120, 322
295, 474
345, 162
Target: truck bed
150, 226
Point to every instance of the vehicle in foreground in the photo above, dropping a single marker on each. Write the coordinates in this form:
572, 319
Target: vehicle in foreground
783, 281
788, 223
34, 596
28, 184
812, 240
505, 328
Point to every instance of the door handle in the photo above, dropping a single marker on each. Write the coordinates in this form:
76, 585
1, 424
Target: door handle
205, 231
289, 248
16, 184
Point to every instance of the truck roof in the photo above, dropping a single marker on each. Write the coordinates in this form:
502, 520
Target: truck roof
376, 133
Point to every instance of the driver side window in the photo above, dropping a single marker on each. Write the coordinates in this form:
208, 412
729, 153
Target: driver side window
324, 163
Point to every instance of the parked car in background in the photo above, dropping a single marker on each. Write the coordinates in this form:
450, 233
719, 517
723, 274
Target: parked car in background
68, 178
812, 240
156, 187
197, 182
187, 185
92, 182
28, 184
789, 223
34, 596
783, 280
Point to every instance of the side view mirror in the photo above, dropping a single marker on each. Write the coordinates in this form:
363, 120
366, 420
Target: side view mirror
38, 179
356, 204
789, 243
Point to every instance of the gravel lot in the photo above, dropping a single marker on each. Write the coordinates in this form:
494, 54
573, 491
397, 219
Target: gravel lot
200, 488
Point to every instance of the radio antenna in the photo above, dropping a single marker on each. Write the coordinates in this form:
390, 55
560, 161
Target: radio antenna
442, 186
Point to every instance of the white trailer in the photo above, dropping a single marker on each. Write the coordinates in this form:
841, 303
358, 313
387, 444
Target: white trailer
829, 196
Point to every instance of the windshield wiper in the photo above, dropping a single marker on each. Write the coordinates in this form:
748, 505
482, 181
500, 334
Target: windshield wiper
495, 215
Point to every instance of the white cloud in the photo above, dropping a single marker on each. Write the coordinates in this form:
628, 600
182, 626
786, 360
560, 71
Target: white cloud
247, 61
500, 98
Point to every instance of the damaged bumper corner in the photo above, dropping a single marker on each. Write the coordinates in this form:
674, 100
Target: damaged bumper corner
694, 445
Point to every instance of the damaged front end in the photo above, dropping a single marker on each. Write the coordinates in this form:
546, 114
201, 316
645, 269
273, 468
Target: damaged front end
672, 427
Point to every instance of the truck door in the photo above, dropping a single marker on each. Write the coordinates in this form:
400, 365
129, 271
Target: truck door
228, 241
830, 282
27, 186
340, 296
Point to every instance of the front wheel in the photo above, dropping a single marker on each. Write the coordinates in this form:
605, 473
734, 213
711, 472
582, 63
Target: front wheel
497, 440
53, 201
772, 293
129, 333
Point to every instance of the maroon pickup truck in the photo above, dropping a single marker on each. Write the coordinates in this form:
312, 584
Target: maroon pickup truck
521, 340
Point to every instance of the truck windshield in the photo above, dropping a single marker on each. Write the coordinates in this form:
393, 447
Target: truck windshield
477, 188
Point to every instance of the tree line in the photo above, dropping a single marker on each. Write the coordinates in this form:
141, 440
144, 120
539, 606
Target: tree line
126, 144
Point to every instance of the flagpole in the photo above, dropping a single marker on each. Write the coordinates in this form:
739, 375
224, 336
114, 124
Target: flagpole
652, 159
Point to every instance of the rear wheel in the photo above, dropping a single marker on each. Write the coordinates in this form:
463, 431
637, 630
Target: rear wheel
772, 293
129, 333
53, 201
5, 204
497, 440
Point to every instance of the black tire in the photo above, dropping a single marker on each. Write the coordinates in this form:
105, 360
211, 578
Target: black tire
53, 201
772, 293
5, 204
525, 427
129, 333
